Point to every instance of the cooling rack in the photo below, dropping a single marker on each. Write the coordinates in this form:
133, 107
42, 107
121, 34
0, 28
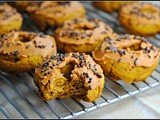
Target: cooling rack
18, 94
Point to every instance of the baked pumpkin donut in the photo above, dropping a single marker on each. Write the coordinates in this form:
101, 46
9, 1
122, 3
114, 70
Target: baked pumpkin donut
81, 35
10, 19
127, 57
21, 6
51, 13
110, 6
140, 18
21, 51
69, 75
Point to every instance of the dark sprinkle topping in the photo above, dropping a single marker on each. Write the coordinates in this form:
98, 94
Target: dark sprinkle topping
96, 73
120, 60
85, 74
82, 37
38, 65
121, 52
149, 56
45, 65
123, 37
54, 57
132, 56
135, 62
75, 55
75, 21
8, 45
107, 39
15, 53
90, 80
43, 70
27, 46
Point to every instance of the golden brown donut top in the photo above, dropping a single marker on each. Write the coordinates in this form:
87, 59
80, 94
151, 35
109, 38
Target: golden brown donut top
26, 43
84, 68
8, 13
144, 12
82, 31
54, 9
135, 50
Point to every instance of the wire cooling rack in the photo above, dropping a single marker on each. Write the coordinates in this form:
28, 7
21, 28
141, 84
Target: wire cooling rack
18, 94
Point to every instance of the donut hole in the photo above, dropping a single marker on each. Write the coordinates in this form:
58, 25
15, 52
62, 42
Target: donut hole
24, 39
16, 60
66, 71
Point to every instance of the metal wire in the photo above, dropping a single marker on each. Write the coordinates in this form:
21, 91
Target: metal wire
55, 107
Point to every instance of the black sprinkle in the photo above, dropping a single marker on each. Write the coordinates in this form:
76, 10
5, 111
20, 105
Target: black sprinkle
149, 56
132, 56
15, 52
38, 65
135, 62
27, 46
49, 72
54, 57
120, 60
8, 45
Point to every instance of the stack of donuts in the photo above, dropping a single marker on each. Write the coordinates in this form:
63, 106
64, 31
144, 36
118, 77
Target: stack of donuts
88, 49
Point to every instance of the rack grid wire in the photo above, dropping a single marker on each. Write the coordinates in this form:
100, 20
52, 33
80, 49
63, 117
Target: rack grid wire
18, 94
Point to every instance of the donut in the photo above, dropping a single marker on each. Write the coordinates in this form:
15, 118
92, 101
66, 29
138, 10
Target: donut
110, 6
141, 19
81, 35
10, 19
69, 75
127, 57
21, 51
51, 13
21, 6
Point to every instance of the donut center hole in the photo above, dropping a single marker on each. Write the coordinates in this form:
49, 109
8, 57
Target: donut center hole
66, 71
24, 39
